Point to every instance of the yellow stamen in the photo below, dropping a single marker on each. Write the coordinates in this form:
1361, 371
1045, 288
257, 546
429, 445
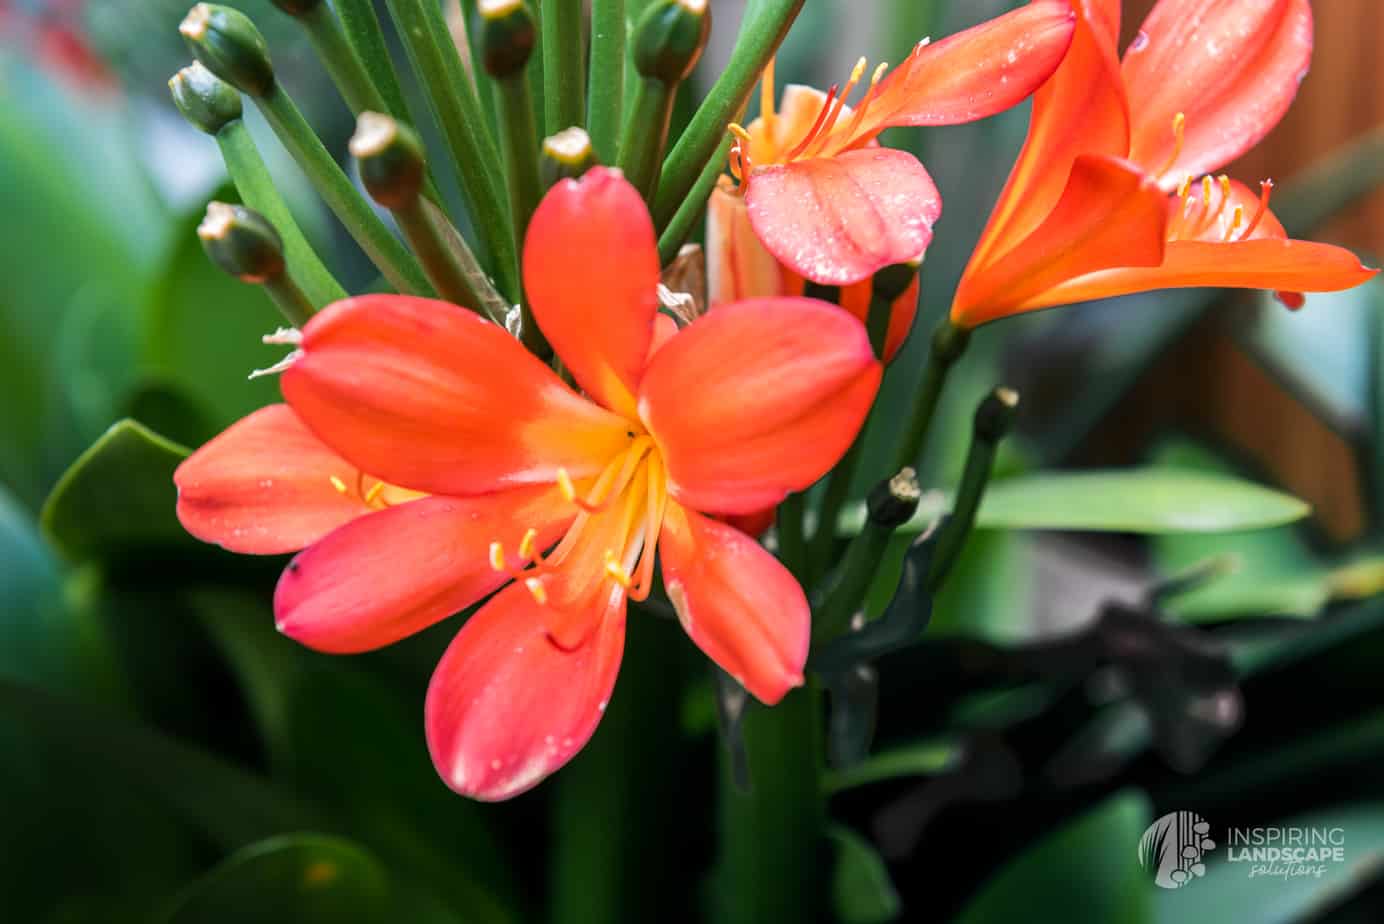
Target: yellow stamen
617, 573
535, 587
1185, 188
338, 484
817, 146
497, 556
1179, 135
526, 549
374, 492
564, 484
1237, 218
1225, 188
766, 101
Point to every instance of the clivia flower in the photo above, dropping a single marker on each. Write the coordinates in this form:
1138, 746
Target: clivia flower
819, 198
426, 459
1105, 199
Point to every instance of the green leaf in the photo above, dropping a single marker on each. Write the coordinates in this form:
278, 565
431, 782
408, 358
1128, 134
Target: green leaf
1086, 871
861, 890
118, 497
1153, 500
304, 878
1227, 893
928, 758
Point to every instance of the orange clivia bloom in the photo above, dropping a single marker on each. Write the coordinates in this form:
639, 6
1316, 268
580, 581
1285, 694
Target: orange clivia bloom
819, 198
485, 469
1113, 192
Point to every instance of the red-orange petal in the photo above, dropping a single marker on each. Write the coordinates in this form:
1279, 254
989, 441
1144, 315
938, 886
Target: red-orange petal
836, 220
428, 395
264, 486
1111, 214
737, 602
737, 264
591, 273
1232, 69
973, 74
388, 575
1080, 110
506, 707
856, 300
756, 399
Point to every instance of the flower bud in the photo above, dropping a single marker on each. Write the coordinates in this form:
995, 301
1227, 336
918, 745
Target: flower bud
508, 33
205, 100
669, 39
894, 280
390, 155
229, 45
566, 155
995, 415
242, 243
893, 502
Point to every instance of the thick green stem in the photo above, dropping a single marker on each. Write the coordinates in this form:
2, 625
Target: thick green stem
679, 229
606, 84
455, 272
458, 111
519, 140
645, 133
291, 301
948, 343
564, 76
771, 835
760, 37
789, 522
257, 190
336, 189
834, 497
343, 62
362, 29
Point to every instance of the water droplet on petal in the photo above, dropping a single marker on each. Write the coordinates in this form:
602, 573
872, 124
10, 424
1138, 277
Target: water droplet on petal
1141, 41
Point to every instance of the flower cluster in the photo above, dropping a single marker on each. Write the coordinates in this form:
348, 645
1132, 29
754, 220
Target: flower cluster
427, 460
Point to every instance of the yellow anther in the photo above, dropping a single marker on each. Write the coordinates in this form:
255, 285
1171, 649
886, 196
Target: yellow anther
619, 574
564, 484
1185, 188
497, 556
1225, 187
526, 549
535, 587
374, 492
859, 70
738, 130
1179, 135
879, 74
1206, 189
1237, 218
338, 484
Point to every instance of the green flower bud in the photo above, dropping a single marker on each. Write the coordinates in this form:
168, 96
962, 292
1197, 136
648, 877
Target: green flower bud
669, 39
893, 501
242, 242
229, 45
297, 7
508, 34
996, 414
204, 99
566, 155
894, 280
390, 155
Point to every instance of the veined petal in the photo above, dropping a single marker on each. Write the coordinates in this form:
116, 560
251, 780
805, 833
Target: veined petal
265, 486
1111, 214
756, 399
970, 75
506, 707
428, 395
591, 273
1260, 263
393, 573
737, 264
1080, 110
737, 603
1232, 69
836, 220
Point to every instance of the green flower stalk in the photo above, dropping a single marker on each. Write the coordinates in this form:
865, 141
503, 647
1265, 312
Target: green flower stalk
246, 246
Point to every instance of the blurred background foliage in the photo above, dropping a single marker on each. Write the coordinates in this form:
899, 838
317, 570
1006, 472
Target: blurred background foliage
166, 755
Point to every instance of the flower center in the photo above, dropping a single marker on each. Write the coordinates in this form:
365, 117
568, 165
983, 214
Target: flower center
372, 492
1210, 216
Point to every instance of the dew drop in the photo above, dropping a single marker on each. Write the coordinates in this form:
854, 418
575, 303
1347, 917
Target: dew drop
496, 764
1141, 42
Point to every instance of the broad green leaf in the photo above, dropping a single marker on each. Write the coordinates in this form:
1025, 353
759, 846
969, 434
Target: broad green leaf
1153, 500
118, 497
1085, 872
304, 878
929, 758
1227, 893
861, 890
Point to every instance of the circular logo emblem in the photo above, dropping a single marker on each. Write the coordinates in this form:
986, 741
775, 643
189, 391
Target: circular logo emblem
1172, 849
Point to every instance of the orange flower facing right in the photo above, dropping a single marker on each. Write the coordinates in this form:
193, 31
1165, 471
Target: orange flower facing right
1113, 192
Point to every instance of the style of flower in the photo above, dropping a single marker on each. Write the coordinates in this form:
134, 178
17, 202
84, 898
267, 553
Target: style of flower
819, 198
1105, 198
486, 469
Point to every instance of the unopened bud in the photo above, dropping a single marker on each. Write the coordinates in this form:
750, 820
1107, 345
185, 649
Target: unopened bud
995, 415
893, 502
566, 155
205, 100
390, 155
894, 280
242, 243
508, 33
669, 39
229, 45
